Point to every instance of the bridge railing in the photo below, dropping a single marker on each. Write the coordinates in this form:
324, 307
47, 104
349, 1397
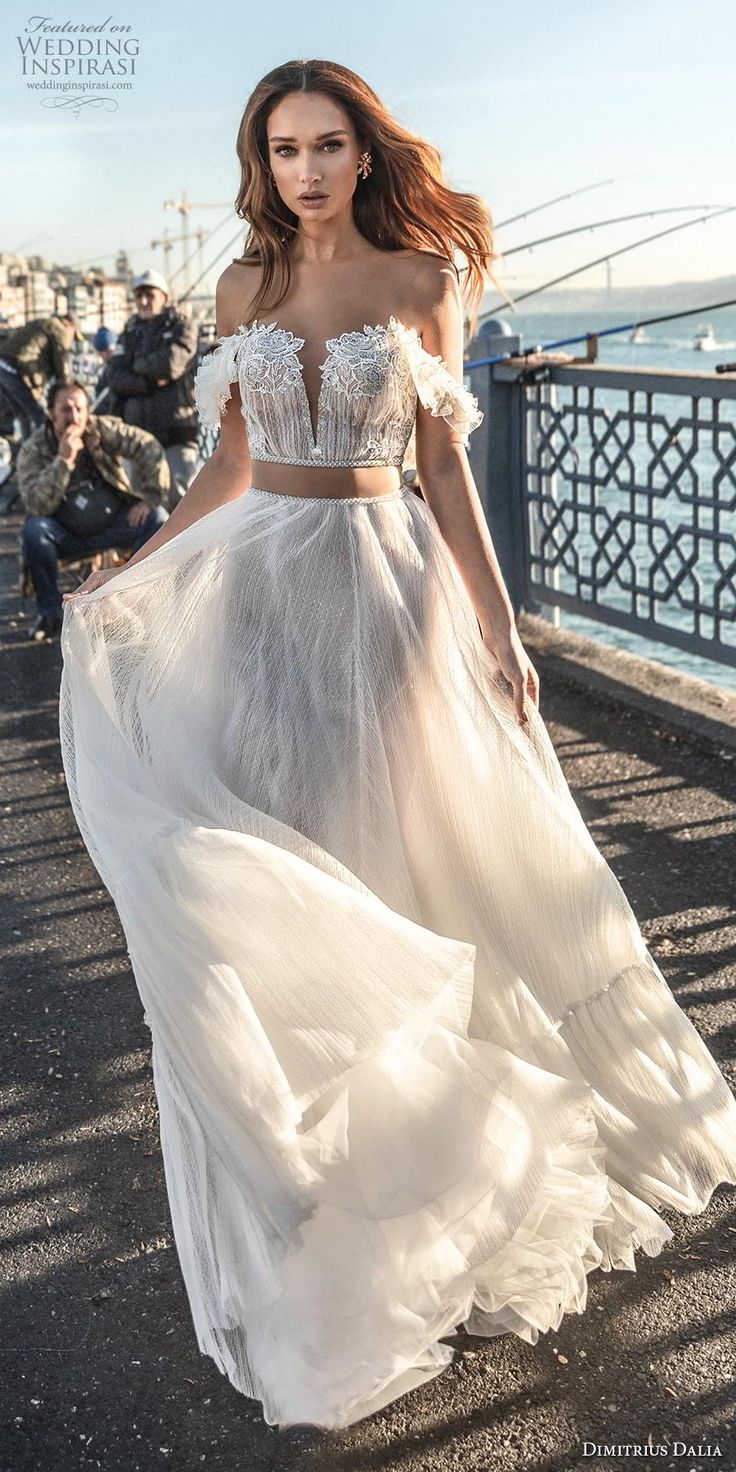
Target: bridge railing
611, 492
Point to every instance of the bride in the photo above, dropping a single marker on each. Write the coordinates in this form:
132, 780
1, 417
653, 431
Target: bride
415, 1065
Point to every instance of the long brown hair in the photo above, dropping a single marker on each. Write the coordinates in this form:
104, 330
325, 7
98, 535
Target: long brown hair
404, 203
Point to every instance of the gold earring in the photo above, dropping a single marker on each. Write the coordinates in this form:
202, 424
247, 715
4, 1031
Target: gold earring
365, 164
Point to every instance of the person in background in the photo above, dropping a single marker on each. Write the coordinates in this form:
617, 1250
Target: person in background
78, 495
152, 376
33, 356
104, 343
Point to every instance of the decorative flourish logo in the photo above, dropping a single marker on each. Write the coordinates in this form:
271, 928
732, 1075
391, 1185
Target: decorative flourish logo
79, 101
81, 64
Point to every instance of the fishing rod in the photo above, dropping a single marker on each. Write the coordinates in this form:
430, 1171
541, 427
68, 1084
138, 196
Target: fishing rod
609, 256
600, 224
134, 250
645, 322
110, 255
224, 221
586, 188
208, 268
510, 221
563, 342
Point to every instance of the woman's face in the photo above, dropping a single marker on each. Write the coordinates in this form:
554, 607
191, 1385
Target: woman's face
313, 149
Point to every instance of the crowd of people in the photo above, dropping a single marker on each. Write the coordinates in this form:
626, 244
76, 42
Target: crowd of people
99, 469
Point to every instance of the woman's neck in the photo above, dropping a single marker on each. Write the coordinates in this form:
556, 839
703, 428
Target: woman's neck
328, 244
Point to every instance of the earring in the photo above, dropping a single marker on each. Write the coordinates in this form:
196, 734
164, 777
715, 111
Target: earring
365, 164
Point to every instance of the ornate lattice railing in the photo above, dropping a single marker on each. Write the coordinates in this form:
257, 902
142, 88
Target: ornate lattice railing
613, 491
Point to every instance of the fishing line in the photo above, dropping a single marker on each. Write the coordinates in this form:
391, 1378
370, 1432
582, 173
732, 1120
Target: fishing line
600, 224
608, 331
609, 256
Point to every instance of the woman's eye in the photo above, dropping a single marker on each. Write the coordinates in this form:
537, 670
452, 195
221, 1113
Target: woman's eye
287, 148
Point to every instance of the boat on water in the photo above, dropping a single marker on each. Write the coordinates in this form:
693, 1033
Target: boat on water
638, 335
705, 338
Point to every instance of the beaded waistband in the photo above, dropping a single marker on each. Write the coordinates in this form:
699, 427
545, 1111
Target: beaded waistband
324, 500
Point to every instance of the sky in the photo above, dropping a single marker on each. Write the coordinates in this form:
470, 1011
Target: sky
525, 101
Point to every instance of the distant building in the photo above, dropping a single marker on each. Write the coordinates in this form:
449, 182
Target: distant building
33, 287
98, 300
12, 292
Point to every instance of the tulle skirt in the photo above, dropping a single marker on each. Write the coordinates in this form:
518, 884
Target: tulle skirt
415, 1065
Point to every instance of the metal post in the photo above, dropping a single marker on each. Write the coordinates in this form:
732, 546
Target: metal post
496, 459
496, 455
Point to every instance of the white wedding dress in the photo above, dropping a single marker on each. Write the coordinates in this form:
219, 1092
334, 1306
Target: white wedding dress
414, 1063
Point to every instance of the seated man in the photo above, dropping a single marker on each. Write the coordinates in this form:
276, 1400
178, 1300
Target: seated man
78, 495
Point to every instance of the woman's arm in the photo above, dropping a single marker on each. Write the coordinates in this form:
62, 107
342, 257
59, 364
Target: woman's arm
224, 477
450, 491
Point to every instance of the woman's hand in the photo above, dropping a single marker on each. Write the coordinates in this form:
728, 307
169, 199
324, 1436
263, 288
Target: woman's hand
510, 654
96, 579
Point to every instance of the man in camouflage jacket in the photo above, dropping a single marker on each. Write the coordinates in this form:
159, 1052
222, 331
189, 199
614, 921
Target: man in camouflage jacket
33, 356
72, 448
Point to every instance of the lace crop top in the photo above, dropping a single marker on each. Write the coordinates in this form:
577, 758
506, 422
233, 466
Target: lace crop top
370, 384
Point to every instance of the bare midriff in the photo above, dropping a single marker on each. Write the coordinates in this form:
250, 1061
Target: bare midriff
325, 481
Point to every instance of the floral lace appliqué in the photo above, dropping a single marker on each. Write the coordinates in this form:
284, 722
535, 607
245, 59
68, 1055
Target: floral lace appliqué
358, 363
269, 362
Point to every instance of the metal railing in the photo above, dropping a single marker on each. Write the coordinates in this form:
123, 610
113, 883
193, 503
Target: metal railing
611, 492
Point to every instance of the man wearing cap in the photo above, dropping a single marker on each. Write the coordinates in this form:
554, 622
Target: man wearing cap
152, 377
31, 357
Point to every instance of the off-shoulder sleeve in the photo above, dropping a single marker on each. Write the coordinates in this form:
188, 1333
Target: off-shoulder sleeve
437, 388
213, 378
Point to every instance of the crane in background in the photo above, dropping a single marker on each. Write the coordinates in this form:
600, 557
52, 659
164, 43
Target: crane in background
167, 243
185, 207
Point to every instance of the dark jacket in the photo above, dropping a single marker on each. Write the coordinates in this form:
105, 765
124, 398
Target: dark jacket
43, 477
105, 401
164, 346
40, 350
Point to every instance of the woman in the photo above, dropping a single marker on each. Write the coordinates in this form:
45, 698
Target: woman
415, 1065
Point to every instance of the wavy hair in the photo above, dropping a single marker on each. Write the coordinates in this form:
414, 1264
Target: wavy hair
404, 203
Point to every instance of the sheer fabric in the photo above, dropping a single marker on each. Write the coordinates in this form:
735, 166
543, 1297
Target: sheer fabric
414, 1063
370, 382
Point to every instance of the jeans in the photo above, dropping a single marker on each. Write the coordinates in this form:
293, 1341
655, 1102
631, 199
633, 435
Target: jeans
45, 540
26, 408
183, 461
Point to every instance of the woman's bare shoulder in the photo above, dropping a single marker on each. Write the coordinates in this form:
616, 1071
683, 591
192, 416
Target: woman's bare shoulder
431, 271
236, 290
425, 262
428, 282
